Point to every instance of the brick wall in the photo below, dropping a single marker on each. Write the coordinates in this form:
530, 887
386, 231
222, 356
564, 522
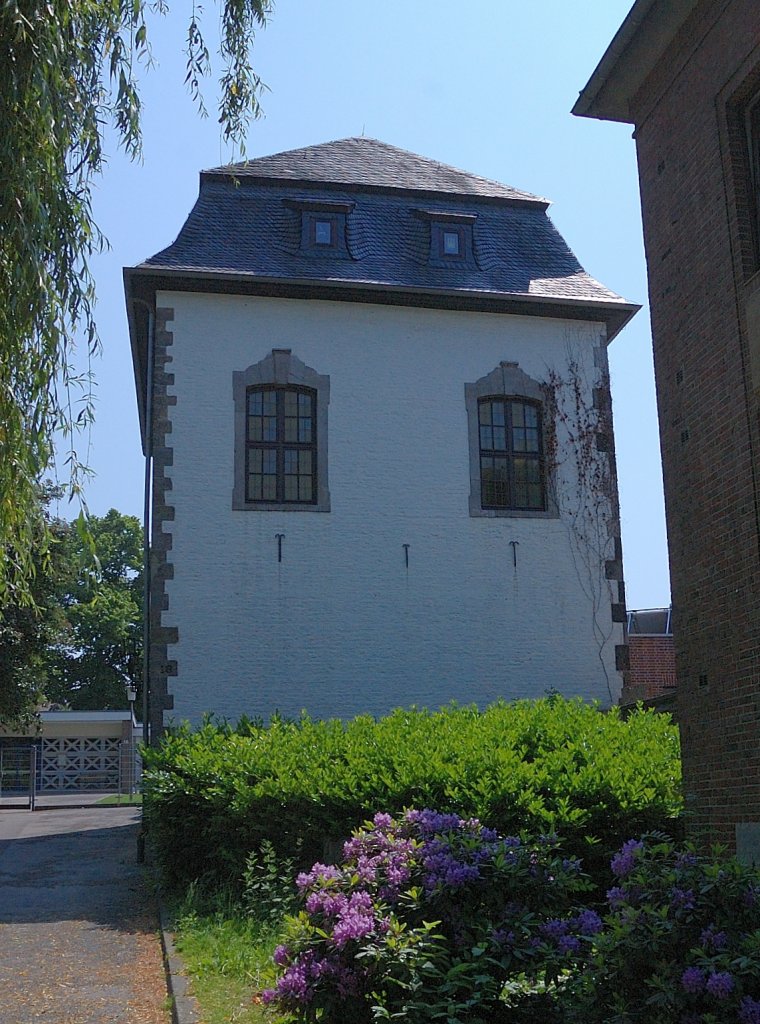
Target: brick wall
653, 668
693, 179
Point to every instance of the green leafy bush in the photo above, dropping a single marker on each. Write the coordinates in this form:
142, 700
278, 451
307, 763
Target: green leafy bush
553, 765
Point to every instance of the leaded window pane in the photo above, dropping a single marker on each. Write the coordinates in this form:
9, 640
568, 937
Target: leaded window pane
281, 445
323, 232
291, 429
510, 449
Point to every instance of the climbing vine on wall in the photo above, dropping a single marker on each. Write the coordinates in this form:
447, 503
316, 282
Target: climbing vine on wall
581, 454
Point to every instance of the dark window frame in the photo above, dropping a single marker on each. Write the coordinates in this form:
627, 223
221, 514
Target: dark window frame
281, 444
509, 454
440, 230
333, 220
280, 368
507, 381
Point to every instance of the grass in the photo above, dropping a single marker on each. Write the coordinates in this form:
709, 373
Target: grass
228, 956
122, 800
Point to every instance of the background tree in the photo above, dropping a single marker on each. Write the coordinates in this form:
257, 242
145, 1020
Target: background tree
98, 647
80, 641
67, 71
29, 631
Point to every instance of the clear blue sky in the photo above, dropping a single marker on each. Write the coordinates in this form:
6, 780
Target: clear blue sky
486, 86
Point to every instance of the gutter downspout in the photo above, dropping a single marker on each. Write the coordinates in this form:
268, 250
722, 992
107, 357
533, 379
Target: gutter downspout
147, 518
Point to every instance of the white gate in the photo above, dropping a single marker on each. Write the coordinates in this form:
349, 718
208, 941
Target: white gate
90, 764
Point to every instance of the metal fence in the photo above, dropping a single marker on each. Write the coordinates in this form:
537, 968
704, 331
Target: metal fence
29, 770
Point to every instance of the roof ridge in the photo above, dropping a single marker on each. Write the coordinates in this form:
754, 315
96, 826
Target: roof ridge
366, 161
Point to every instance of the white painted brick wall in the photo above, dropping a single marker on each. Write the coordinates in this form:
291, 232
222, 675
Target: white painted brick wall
340, 626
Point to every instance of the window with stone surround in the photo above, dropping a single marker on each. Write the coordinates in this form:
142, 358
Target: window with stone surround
280, 457
508, 445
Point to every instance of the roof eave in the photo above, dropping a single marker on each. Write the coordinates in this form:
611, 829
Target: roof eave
637, 47
142, 282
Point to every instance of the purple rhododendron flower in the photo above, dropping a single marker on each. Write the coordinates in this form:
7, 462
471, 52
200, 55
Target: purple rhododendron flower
328, 903
712, 940
749, 1011
281, 956
555, 929
681, 899
588, 922
720, 984
693, 980
569, 944
623, 863
318, 873
616, 896
686, 860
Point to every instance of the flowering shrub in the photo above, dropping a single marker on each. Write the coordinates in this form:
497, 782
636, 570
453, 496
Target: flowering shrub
433, 917
680, 944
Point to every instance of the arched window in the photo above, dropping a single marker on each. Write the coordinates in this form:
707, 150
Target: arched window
280, 456
281, 445
511, 454
509, 475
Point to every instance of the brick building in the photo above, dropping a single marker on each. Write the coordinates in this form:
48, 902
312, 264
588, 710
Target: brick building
652, 665
687, 76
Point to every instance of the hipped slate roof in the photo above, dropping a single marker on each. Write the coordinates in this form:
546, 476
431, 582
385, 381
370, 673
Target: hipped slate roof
244, 235
242, 225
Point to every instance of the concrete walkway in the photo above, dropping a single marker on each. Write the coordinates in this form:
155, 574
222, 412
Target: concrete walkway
79, 940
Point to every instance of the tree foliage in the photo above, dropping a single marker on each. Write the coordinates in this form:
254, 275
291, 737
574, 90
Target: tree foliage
99, 647
68, 69
80, 641
29, 630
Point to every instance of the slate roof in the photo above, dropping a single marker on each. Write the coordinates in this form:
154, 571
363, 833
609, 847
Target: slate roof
242, 225
362, 162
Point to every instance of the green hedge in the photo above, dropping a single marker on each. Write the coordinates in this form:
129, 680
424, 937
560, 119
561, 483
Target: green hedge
211, 796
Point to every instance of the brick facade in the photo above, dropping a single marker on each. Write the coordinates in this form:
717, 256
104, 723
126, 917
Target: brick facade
693, 169
653, 668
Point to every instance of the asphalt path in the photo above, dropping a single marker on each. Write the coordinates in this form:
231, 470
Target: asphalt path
79, 940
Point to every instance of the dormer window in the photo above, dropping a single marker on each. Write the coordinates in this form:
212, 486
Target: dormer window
451, 240
323, 225
323, 231
450, 237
